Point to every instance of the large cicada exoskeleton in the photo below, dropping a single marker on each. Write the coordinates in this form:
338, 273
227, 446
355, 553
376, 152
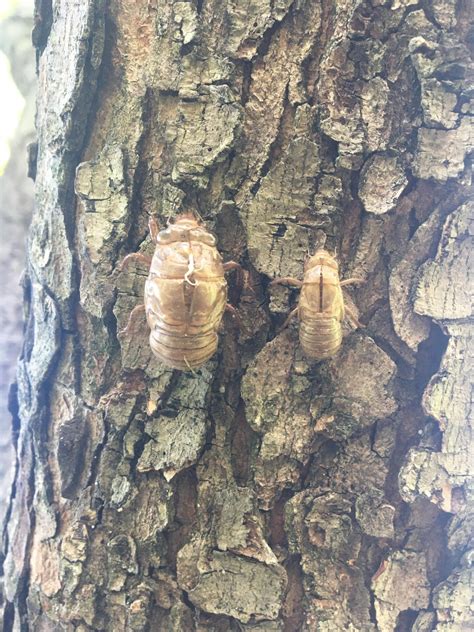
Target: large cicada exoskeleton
185, 293
321, 307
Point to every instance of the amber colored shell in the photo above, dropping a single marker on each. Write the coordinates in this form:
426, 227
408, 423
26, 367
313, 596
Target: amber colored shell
185, 295
321, 307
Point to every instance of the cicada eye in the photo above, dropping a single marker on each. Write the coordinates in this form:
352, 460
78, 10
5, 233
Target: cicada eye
198, 234
166, 236
173, 233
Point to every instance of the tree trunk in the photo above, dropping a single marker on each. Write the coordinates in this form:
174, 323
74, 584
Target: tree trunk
264, 491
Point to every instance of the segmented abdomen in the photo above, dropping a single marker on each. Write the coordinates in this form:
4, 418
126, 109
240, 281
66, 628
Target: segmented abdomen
184, 319
320, 335
183, 352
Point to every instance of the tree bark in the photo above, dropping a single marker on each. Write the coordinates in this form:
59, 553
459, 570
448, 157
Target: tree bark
264, 491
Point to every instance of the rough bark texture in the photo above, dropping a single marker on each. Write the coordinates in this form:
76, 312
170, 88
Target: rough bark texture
264, 492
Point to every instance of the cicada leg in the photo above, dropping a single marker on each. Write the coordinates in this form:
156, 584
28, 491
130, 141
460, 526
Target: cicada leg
190, 368
153, 228
352, 280
241, 274
136, 310
291, 315
231, 265
135, 256
287, 281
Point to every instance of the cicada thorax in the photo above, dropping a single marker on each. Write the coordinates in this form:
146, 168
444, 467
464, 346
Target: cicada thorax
321, 307
185, 295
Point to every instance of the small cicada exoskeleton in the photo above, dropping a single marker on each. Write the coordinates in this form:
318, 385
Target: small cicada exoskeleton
185, 293
320, 308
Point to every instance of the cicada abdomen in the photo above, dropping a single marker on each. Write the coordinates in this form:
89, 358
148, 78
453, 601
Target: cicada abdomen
321, 307
185, 293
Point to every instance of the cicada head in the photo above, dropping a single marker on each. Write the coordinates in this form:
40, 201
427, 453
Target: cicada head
186, 228
321, 258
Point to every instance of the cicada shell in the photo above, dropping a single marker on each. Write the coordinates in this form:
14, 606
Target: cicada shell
321, 307
185, 293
